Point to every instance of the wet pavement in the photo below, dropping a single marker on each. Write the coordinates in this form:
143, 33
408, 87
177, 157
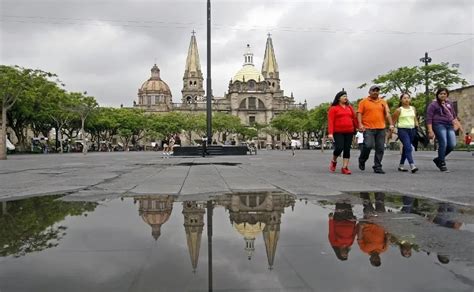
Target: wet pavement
253, 241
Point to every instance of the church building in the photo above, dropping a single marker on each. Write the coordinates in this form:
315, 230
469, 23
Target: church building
255, 96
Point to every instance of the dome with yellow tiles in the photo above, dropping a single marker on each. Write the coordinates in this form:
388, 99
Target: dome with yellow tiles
248, 230
248, 71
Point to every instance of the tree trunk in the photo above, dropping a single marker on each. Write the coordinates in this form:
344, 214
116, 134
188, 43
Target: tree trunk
4, 208
84, 146
60, 135
3, 135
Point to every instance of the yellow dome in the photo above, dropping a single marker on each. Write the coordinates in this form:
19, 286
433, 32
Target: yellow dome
249, 230
248, 72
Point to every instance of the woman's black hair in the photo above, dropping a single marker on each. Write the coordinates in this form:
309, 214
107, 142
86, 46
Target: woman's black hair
338, 97
401, 96
337, 251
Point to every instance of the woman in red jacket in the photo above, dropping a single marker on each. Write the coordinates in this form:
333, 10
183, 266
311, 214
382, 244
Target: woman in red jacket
342, 230
342, 123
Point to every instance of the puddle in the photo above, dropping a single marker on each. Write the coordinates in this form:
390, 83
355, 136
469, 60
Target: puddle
237, 242
208, 163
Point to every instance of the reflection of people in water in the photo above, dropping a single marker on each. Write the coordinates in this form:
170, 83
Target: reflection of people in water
372, 238
406, 243
342, 230
446, 216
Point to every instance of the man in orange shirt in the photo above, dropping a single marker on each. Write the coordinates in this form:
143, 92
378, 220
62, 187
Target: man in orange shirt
371, 115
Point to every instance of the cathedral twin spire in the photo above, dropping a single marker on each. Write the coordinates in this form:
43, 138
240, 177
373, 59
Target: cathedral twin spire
270, 65
193, 90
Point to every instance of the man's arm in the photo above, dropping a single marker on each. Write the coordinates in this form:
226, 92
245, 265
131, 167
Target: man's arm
387, 115
359, 120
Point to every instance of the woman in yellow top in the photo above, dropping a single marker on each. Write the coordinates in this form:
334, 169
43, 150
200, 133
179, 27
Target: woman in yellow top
406, 121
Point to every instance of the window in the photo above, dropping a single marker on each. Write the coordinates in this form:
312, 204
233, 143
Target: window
251, 120
252, 103
260, 104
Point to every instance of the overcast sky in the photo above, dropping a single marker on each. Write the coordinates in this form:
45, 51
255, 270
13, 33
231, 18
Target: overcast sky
108, 47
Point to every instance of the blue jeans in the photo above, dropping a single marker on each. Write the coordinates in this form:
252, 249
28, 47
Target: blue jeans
446, 139
406, 136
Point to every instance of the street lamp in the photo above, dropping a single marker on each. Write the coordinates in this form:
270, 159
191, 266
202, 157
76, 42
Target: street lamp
208, 78
426, 60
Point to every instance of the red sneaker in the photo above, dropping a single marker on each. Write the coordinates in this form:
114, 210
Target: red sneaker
345, 170
332, 166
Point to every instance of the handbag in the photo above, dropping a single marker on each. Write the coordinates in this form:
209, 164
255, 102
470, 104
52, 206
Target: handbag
421, 137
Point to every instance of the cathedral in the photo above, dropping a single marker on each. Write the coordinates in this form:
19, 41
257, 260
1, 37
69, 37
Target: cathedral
255, 96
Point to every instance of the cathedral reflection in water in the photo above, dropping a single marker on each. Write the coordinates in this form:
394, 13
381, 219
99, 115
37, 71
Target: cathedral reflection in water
250, 214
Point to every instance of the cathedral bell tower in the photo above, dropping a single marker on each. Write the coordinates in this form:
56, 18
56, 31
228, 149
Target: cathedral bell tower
193, 225
192, 80
270, 67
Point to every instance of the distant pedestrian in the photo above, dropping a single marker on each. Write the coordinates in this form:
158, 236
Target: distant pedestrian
405, 119
360, 140
440, 120
371, 115
293, 146
342, 123
467, 141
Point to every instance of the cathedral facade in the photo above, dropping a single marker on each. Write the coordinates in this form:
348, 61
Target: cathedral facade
255, 96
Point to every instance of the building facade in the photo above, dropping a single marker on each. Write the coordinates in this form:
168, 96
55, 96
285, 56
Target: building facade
463, 101
255, 96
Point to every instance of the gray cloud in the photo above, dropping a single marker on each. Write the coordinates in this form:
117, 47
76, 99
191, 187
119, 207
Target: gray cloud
108, 47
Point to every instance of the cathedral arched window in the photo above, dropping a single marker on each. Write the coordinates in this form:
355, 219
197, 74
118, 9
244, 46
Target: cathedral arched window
189, 99
251, 85
261, 105
252, 103
243, 104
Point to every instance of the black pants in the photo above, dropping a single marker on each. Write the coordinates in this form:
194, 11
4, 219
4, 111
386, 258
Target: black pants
343, 142
373, 138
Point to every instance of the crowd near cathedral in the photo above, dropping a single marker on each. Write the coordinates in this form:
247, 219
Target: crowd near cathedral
255, 96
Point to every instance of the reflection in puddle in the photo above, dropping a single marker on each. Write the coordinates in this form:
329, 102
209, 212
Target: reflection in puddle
252, 244
30, 225
407, 223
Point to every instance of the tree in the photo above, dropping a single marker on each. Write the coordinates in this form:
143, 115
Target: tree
290, 122
413, 80
224, 124
132, 125
83, 106
14, 84
30, 225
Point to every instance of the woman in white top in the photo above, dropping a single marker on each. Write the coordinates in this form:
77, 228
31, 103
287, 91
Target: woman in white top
406, 121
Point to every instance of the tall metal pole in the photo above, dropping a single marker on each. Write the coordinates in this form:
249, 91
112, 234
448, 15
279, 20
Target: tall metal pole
208, 79
209, 242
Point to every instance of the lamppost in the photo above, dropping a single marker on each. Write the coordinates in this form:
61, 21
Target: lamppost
426, 60
208, 78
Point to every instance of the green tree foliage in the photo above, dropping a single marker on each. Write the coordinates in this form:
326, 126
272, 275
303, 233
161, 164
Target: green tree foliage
290, 122
30, 225
318, 119
17, 87
132, 125
412, 80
